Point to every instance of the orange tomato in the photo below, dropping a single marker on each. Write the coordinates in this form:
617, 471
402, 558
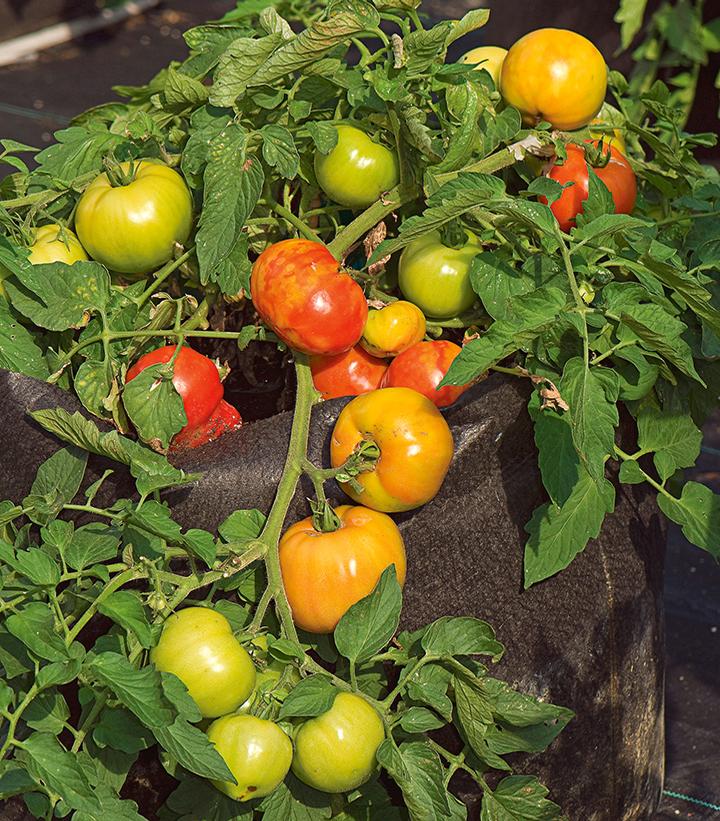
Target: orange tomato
326, 573
554, 75
422, 368
393, 329
346, 374
415, 445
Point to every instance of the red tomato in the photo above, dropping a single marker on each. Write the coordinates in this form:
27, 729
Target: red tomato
299, 291
347, 374
223, 419
422, 368
617, 175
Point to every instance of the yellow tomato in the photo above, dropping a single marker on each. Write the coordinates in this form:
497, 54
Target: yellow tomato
52, 243
488, 57
614, 139
393, 329
554, 75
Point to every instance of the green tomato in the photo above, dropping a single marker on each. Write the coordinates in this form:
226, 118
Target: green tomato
198, 646
133, 228
335, 752
436, 277
269, 673
357, 171
258, 754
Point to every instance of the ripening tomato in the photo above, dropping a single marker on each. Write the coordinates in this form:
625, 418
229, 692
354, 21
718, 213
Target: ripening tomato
258, 754
197, 380
554, 75
326, 573
357, 171
617, 175
51, 243
133, 227
393, 329
415, 444
436, 277
347, 374
490, 58
422, 368
335, 751
299, 291
223, 419
198, 646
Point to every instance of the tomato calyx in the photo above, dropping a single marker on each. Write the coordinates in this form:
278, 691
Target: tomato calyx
117, 175
453, 235
597, 154
324, 518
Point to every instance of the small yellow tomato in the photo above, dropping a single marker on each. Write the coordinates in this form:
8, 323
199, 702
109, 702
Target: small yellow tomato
393, 329
488, 57
614, 139
51, 243
554, 75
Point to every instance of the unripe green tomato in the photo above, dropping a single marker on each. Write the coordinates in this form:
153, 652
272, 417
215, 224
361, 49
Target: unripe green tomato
436, 277
133, 228
335, 752
258, 754
268, 676
197, 645
358, 170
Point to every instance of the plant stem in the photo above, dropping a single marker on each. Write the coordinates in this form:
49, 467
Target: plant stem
295, 221
162, 275
115, 584
581, 306
369, 218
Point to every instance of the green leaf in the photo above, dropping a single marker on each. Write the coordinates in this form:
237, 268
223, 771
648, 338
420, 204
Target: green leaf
557, 457
599, 201
192, 749
57, 481
471, 21
370, 623
177, 693
242, 525
57, 296
531, 314
450, 201
181, 92
416, 768
126, 608
497, 282
279, 150
233, 183
154, 406
60, 771
475, 718
429, 686
660, 332
671, 435
461, 636
558, 534
592, 395
630, 16
139, 690
311, 697
631, 473
34, 563
238, 65
420, 720
697, 511
62, 672
47, 713
19, 351
196, 798
497, 129
518, 798
604, 226
15, 780
77, 150
119, 729
94, 383
151, 470
324, 136
91, 544
293, 801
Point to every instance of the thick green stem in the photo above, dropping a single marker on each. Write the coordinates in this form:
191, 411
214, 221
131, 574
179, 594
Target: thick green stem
295, 221
162, 275
115, 584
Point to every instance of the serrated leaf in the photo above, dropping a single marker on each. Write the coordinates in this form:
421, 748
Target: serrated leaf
154, 406
420, 720
496, 281
77, 150
19, 351
631, 473
196, 798
461, 636
57, 481
557, 457
311, 697
242, 525
370, 623
126, 608
671, 435
518, 798
293, 801
630, 16
93, 384
599, 200
558, 534
91, 544
471, 21
57, 296
47, 713
475, 718
279, 150
237, 66
324, 136
697, 511
416, 768
592, 395
119, 729
192, 749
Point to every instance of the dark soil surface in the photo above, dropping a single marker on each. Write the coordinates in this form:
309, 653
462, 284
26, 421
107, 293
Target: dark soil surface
40, 96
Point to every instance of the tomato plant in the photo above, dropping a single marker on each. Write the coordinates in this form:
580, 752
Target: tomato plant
258, 754
436, 277
393, 329
347, 374
131, 218
617, 175
489, 58
325, 573
415, 444
357, 171
555, 75
198, 646
300, 292
422, 367
335, 752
